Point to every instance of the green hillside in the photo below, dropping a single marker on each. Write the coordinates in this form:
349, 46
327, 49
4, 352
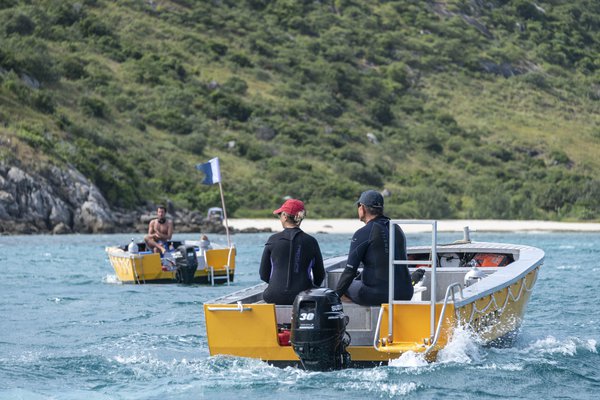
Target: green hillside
459, 108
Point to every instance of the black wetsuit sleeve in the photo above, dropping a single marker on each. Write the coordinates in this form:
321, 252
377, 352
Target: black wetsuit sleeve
345, 280
265, 264
318, 269
358, 247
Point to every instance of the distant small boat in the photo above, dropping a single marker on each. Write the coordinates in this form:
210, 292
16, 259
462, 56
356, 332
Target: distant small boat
184, 262
484, 287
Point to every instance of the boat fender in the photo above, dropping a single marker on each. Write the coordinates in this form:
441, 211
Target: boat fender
133, 247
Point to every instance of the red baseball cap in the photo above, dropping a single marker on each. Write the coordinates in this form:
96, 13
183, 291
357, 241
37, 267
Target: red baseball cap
290, 207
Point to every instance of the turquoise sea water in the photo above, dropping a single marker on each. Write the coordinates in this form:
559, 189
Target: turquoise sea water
69, 330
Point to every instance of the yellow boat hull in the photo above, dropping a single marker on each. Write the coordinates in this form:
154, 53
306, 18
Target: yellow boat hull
259, 326
241, 324
148, 268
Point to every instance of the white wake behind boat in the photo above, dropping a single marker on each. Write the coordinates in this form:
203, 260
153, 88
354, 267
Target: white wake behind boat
484, 287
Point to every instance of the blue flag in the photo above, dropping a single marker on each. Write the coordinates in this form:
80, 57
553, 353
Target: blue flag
211, 170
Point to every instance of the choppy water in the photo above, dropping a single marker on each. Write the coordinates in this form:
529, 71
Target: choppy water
69, 330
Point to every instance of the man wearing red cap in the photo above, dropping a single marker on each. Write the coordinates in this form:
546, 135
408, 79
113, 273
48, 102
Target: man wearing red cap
292, 260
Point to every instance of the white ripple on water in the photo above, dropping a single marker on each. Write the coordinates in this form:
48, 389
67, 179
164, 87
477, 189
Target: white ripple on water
410, 359
463, 348
567, 347
496, 367
112, 279
374, 381
213, 370
385, 388
216, 373
26, 357
569, 267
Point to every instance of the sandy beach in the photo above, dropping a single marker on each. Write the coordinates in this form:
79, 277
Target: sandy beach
351, 225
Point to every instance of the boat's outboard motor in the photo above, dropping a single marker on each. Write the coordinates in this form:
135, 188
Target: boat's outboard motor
186, 264
319, 335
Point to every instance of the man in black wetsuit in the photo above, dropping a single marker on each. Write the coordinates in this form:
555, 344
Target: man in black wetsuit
370, 247
292, 260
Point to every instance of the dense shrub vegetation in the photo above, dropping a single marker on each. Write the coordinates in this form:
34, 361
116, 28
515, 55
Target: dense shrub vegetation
458, 108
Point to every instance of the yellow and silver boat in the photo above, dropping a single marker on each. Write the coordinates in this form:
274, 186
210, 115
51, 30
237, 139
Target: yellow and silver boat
185, 262
484, 287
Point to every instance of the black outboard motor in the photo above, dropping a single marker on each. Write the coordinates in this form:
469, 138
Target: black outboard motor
319, 334
186, 264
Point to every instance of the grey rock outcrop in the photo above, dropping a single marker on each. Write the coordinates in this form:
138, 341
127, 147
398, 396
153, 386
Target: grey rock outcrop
51, 200
61, 201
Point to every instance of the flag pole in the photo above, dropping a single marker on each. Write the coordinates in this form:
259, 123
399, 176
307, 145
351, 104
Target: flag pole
224, 214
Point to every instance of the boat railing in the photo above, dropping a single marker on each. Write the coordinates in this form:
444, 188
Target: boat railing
393, 262
433, 341
449, 291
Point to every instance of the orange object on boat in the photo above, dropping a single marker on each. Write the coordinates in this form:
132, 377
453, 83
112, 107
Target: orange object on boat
492, 260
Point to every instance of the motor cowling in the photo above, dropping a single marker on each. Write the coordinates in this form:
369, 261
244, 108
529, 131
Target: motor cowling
318, 333
186, 264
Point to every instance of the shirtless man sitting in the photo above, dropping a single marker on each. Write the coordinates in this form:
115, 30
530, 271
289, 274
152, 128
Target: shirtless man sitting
160, 231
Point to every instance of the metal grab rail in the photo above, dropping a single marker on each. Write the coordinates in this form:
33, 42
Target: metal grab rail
376, 341
442, 313
436, 336
393, 262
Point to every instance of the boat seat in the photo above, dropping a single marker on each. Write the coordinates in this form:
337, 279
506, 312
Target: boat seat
213, 262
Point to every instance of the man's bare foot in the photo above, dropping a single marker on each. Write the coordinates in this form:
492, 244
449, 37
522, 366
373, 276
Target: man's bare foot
345, 299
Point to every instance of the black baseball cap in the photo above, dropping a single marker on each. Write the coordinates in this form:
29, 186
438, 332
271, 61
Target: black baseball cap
371, 198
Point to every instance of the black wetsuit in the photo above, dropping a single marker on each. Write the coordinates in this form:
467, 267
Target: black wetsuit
370, 247
291, 262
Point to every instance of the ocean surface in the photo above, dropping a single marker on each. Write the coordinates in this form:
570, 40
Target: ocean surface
70, 330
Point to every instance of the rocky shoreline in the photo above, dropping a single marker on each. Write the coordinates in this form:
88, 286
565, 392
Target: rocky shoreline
62, 201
